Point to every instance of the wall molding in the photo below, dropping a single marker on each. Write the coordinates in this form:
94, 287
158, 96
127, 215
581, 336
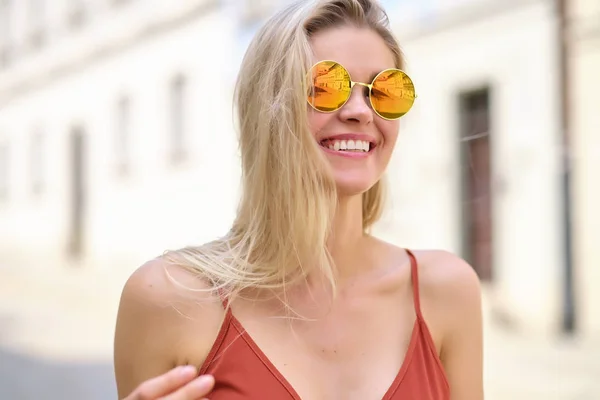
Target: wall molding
462, 16
585, 32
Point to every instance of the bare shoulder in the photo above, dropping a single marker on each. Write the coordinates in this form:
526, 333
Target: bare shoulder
450, 302
450, 295
447, 277
159, 283
159, 291
161, 307
446, 281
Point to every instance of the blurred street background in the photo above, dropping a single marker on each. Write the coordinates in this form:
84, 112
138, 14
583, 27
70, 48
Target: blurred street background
117, 142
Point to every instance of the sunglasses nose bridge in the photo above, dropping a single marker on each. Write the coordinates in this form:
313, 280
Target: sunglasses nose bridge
367, 85
362, 96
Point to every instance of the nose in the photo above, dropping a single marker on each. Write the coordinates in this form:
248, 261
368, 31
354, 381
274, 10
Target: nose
357, 108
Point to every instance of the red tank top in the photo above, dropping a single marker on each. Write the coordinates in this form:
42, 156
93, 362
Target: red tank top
243, 372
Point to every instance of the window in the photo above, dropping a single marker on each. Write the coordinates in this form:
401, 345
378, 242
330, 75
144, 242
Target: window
77, 203
123, 135
477, 201
4, 171
37, 13
76, 13
5, 33
37, 163
178, 114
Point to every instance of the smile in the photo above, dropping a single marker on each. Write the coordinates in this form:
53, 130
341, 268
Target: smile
348, 148
347, 145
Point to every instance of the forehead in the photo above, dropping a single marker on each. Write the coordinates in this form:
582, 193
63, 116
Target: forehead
361, 50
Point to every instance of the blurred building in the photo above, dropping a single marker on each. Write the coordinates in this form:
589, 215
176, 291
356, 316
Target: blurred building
482, 163
479, 165
116, 135
117, 141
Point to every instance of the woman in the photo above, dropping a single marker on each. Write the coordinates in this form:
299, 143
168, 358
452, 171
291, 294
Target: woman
298, 301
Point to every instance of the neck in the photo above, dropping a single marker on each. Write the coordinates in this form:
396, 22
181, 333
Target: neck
347, 228
347, 237
346, 244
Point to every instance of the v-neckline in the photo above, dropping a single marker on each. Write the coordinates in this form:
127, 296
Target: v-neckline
288, 386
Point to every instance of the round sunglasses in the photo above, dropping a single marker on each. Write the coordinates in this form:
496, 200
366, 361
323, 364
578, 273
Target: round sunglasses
391, 93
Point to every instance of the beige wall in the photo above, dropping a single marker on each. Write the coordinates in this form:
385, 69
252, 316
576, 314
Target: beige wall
585, 131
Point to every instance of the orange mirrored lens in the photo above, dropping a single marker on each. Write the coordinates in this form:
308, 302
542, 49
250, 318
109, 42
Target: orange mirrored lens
393, 94
329, 86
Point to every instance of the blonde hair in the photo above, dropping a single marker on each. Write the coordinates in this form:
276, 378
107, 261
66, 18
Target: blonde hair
288, 196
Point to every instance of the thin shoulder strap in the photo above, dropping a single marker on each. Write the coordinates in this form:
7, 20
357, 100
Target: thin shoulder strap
414, 276
224, 300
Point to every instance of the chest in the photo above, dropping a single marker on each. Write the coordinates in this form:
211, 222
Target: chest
244, 372
353, 352
336, 364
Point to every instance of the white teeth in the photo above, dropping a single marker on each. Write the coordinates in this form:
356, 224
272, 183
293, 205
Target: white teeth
349, 145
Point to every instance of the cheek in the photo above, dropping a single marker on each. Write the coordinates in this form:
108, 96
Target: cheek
389, 130
318, 121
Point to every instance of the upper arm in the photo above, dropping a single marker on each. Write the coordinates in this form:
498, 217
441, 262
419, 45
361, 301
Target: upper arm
462, 344
154, 322
140, 352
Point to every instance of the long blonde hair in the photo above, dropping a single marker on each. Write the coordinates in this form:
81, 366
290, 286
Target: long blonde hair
288, 195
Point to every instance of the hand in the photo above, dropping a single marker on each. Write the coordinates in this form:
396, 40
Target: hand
181, 383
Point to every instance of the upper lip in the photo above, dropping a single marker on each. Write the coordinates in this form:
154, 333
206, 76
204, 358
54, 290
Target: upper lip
350, 136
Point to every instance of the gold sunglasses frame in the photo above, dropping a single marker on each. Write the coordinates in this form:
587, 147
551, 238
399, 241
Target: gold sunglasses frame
367, 85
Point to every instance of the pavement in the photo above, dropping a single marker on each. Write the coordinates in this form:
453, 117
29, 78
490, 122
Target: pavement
56, 337
24, 377
518, 368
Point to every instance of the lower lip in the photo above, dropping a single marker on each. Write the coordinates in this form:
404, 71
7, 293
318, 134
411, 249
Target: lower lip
348, 154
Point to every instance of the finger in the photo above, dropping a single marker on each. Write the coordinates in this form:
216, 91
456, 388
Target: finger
198, 388
164, 384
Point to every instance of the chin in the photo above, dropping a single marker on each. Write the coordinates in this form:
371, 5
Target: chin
353, 187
